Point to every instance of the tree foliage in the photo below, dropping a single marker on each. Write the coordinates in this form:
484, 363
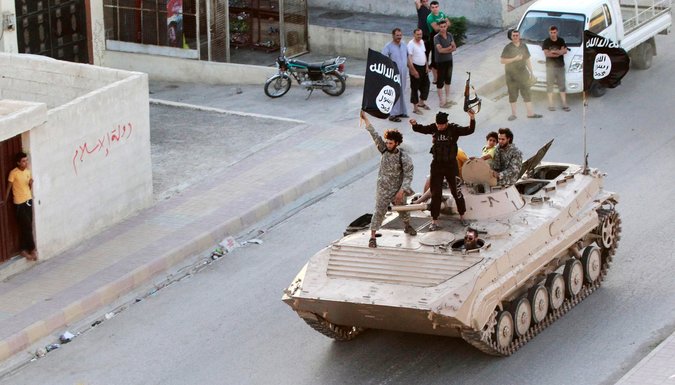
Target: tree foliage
458, 29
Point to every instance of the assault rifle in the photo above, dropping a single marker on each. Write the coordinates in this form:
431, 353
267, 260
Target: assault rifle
469, 103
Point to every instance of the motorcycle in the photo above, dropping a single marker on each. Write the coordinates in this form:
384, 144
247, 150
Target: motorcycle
328, 76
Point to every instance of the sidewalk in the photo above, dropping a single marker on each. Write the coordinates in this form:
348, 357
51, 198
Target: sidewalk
66, 288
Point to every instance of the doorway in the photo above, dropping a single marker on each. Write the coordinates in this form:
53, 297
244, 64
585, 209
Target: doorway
9, 233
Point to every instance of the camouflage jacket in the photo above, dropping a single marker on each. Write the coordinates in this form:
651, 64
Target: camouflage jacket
507, 163
396, 168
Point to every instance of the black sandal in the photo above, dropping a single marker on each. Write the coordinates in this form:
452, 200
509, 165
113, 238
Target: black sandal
372, 243
394, 119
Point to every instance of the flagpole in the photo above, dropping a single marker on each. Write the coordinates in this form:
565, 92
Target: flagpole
583, 119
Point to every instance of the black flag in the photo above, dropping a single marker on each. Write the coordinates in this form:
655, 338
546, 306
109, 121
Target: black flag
604, 61
382, 85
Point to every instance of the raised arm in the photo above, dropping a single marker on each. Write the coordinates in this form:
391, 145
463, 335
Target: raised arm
379, 142
428, 129
465, 130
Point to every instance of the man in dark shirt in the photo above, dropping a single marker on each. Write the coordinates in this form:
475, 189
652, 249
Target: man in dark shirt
517, 67
507, 159
422, 12
444, 46
444, 163
554, 48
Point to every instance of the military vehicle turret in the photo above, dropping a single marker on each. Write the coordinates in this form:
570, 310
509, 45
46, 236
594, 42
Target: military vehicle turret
545, 244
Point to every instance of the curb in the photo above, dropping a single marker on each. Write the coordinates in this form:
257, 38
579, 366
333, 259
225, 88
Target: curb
161, 102
640, 366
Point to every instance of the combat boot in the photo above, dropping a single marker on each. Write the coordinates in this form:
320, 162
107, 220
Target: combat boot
409, 229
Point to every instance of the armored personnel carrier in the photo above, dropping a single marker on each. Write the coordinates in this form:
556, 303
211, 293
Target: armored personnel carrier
545, 244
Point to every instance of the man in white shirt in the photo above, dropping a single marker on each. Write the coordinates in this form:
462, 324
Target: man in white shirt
419, 70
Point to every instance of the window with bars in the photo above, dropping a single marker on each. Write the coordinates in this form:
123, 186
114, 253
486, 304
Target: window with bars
170, 23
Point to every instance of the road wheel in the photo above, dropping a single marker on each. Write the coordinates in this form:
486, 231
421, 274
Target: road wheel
539, 300
277, 85
522, 314
591, 259
335, 84
555, 284
504, 329
574, 277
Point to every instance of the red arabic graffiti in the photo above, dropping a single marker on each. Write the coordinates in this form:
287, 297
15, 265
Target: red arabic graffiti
103, 144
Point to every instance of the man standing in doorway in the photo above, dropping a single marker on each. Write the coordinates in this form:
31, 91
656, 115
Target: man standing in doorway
419, 73
444, 46
20, 185
398, 53
517, 67
555, 49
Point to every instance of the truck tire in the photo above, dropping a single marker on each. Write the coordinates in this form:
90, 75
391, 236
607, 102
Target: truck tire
597, 90
643, 55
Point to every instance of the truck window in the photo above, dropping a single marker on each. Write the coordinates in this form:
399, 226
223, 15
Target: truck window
608, 15
534, 27
598, 22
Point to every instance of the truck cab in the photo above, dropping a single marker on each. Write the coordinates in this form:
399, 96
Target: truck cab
631, 23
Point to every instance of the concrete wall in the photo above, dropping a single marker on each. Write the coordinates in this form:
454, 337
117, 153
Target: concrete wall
345, 42
91, 158
18, 117
188, 70
45, 80
491, 13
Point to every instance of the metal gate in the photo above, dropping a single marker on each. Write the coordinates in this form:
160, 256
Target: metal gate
54, 28
229, 27
9, 233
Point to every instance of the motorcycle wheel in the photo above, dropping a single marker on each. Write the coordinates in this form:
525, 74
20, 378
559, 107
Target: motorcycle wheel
277, 85
338, 86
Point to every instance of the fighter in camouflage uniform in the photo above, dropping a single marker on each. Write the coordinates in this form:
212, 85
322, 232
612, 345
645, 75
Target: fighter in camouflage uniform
508, 159
393, 180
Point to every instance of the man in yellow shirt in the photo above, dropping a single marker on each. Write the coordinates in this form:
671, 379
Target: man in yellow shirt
20, 185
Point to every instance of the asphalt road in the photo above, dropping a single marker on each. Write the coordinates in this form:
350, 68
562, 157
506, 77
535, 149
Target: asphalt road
227, 325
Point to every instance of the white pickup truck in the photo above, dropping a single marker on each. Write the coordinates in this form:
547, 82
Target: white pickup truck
631, 23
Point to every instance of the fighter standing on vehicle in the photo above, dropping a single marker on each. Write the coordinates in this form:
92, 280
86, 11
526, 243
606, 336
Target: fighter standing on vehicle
393, 180
444, 163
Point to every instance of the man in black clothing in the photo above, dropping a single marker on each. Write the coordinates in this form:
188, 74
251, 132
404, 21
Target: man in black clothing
517, 68
444, 163
555, 49
422, 12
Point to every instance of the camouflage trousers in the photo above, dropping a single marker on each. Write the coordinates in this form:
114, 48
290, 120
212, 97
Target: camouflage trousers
382, 200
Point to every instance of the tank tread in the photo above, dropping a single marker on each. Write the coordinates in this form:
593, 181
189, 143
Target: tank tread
482, 339
336, 332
